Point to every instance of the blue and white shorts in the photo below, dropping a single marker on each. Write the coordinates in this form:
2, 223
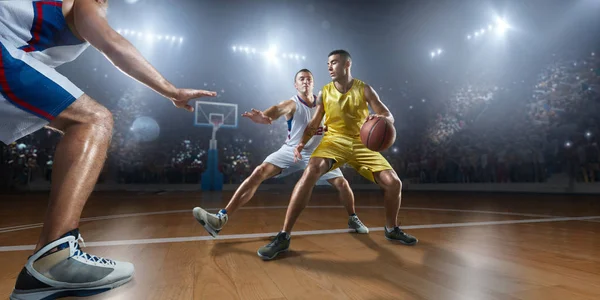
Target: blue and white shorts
31, 93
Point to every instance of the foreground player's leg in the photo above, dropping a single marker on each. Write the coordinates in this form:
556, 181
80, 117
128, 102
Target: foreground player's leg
213, 223
59, 267
392, 192
300, 196
347, 199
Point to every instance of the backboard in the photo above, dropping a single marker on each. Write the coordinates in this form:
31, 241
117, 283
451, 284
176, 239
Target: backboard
207, 113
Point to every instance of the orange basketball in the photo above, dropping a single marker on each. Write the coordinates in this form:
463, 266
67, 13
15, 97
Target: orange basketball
378, 134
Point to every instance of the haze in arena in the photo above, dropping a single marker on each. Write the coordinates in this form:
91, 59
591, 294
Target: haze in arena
216, 149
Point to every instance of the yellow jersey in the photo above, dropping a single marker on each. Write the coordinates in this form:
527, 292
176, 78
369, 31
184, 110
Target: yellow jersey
345, 113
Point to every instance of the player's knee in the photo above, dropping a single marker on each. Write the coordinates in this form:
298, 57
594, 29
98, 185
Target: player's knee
103, 117
340, 183
312, 173
259, 174
391, 182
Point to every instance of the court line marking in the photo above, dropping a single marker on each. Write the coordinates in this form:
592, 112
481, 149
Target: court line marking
101, 218
298, 233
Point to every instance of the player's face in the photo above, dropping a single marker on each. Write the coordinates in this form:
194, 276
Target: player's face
337, 66
304, 82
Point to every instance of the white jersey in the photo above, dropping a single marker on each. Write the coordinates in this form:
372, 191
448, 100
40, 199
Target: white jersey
40, 29
296, 125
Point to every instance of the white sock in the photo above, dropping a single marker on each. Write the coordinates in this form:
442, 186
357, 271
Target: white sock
388, 230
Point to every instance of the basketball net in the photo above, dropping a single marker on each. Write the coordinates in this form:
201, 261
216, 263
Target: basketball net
216, 125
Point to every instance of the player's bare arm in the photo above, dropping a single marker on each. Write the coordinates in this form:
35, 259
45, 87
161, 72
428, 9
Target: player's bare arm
312, 127
90, 23
287, 108
375, 103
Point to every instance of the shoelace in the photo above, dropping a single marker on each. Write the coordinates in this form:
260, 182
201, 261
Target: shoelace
89, 257
275, 241
358, 221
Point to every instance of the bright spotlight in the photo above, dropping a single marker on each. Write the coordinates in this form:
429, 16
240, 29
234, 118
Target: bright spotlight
126, 31
284, 55
588, 134
271, 54
234, 48
593, 53
432, 54
297, 56
246, 49
477, 33
303, 57
439, 51
181, 40
501, 25
482, 31
160, 37
133, 32
568, 144
119, 31
253, 50
490, 27
468, 37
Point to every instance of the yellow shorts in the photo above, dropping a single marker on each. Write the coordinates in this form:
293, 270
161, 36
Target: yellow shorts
347, 150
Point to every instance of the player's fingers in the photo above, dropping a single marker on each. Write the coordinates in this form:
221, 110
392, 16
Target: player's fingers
202, 93
189, 108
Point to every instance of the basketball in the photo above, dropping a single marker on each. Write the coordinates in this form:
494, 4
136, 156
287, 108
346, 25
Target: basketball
378, 134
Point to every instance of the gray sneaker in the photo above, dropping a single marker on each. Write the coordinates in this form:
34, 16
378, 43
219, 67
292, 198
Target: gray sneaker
213, 223
355, 223
62, 269
280, 243
400, 236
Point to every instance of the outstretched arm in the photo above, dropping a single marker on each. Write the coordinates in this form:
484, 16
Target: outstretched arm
90, 23
272, 113
375, 103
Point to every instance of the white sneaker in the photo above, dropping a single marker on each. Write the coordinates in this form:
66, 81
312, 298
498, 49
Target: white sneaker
213, 223
355, 223
62, 269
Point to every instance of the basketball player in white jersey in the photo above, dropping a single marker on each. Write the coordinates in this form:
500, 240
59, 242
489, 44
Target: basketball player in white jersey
298, 111
36, 37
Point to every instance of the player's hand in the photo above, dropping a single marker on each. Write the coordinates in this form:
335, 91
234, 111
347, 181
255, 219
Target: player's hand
297, 152
373, 116
183, 97
257, 116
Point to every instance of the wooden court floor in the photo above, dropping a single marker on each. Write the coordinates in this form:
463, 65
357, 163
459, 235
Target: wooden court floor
472, 246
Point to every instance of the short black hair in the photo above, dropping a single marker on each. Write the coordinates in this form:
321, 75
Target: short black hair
303, 70
343, 53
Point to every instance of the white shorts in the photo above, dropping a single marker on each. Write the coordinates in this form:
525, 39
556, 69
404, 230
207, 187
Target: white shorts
284, 159
31, 93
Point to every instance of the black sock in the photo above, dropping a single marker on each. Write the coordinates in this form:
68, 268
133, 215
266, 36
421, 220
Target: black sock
353, 215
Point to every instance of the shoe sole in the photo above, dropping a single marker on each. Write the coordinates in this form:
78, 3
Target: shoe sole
402, 242
60, 293
356, 230
274, 255
207, 227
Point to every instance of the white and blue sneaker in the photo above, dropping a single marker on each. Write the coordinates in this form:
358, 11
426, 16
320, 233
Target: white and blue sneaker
355, 223
213, 223
62, 269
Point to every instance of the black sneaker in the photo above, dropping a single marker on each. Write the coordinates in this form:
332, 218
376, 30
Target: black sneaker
280, 243
398, 235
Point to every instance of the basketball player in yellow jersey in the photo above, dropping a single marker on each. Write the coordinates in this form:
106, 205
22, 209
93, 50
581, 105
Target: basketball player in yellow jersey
344, 103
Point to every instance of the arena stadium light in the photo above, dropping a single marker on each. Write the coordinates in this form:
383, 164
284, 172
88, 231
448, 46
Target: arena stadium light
501, 26
271, 53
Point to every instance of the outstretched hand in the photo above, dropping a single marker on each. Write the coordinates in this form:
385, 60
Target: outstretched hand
257, 116
183, 97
